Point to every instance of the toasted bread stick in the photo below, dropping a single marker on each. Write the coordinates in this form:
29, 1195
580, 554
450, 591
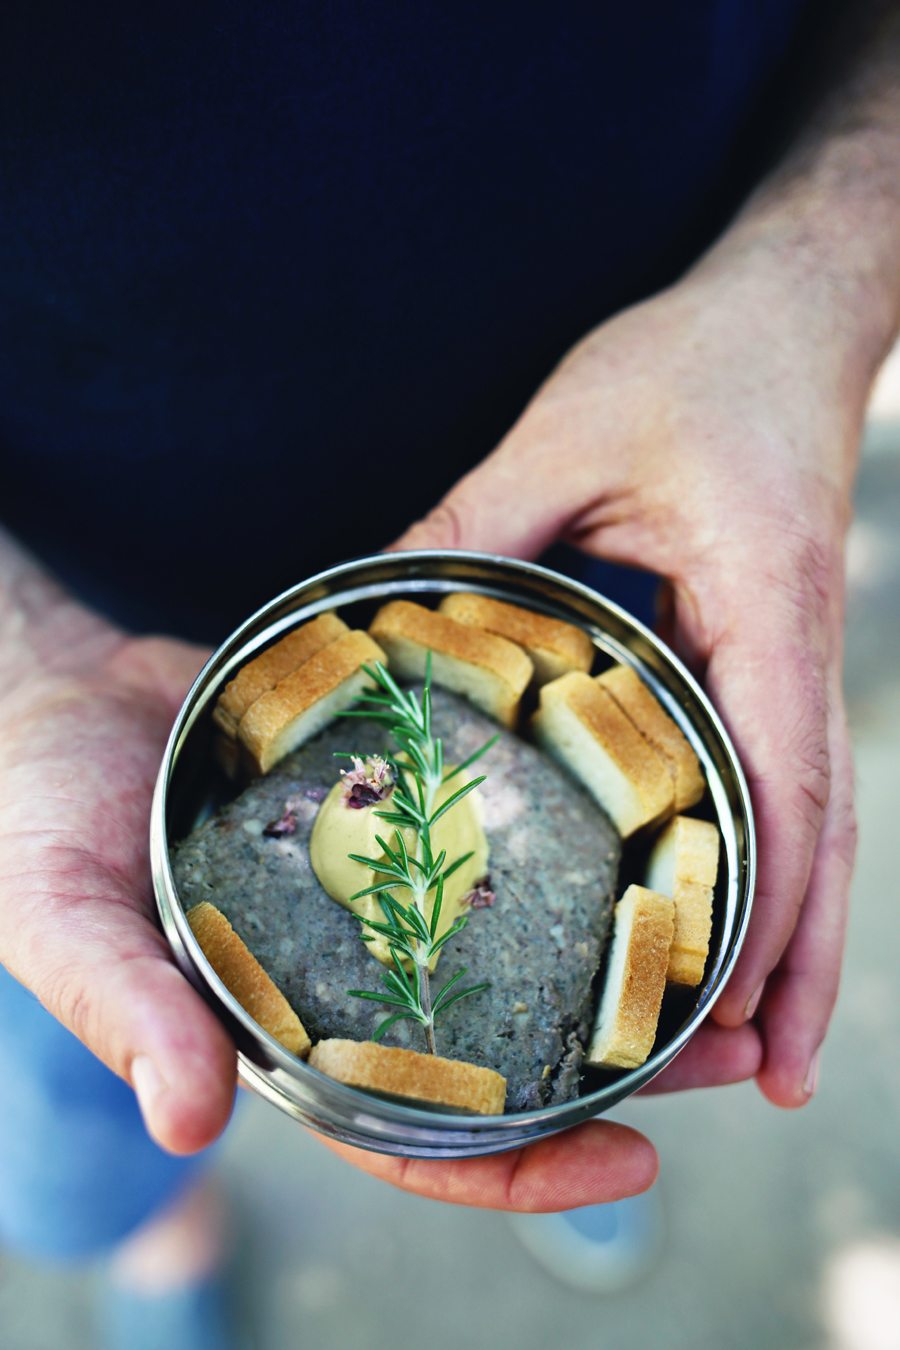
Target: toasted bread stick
580, 723
553, 646
654, 723
244, 977
490, 671
686, 850
265, 671
635, 982
693, 927
684, 863
406, 1073
304, 702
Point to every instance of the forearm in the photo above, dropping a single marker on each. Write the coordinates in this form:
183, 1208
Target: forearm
43, 629
824, 225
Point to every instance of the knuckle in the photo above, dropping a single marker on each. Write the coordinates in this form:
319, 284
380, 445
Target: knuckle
799, 733
789, 577
813, 782
74, 1005
804, 573
811, 802
441, 528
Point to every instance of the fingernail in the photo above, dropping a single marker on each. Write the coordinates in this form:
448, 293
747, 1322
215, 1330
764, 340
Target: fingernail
753, 1002
811, 1081
147, 1083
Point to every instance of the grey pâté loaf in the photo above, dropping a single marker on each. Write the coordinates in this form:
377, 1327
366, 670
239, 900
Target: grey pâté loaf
553, 864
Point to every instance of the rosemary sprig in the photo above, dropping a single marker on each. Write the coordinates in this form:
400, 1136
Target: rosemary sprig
411, 933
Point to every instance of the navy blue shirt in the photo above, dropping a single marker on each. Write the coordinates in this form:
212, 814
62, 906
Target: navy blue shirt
274, 276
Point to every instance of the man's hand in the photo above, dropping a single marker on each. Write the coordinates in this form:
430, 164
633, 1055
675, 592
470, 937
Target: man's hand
81, 736
84, 717
709, 435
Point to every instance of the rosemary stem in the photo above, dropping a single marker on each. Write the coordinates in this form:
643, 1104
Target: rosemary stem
432, 783
425, 1000
413, 937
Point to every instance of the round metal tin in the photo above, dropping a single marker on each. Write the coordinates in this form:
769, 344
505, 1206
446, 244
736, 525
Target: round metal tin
186, 792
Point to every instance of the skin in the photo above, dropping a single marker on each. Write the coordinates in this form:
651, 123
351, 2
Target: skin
694, 435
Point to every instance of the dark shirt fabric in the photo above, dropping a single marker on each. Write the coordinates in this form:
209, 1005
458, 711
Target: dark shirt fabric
272, 277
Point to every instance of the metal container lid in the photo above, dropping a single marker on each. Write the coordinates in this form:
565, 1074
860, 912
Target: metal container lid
186, 793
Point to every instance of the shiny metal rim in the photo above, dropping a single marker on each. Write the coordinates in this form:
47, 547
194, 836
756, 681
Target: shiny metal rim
386, 1125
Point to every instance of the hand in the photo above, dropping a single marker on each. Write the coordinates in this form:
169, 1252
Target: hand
709, 435
588, 1165
80, 746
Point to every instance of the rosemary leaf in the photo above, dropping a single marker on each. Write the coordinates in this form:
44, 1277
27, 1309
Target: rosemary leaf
444, 1004
377, 865
456, 927
456, 797
375, 997
476, 754
436, 908
373, 890
463, 858
393, 817
449, 985
397, 858
389, 1022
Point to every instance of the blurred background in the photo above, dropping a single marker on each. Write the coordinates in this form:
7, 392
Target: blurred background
782, 1229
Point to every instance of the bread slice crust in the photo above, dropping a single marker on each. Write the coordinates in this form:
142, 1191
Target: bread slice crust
265, 671
304, 701
553, 646
406, 1073
244, 977
684, 863
627, 1018
490, 671
582, 725
693, 928
686, 850
655, 724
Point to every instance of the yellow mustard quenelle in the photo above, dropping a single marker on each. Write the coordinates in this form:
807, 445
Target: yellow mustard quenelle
341, 829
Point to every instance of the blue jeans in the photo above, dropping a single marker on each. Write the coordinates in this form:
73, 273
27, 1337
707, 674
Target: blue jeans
78, 1171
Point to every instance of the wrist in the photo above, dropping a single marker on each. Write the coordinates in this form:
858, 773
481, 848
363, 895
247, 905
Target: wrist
816, 329
821, 241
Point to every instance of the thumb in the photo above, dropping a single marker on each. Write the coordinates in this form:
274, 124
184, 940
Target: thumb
511, 503
104, 970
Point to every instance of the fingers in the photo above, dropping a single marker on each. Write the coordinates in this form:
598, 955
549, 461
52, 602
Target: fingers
106, 973
591, 1164
770, 689
588, 1165
799, 996
712, 1057
778, 685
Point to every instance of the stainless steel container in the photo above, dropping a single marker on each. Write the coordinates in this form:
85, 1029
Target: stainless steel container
187, 790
